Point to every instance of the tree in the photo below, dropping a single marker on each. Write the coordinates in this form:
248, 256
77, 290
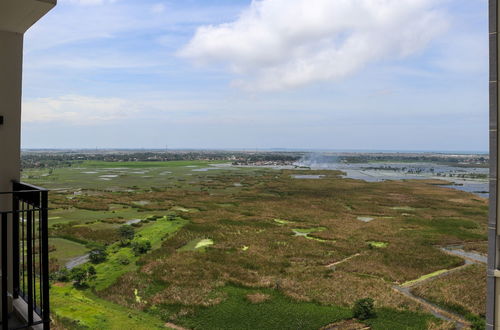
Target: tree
82, 275
141, 245
126, 232
62, 275
97, 256
363, 309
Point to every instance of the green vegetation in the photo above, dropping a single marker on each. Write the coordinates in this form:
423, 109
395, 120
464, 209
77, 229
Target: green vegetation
392, 319
425, 277
77, 309
123, 259
277, 312
152, 219
199, 244
309, 230
97, 256
178, 163
379, 245
281, 221
82, 275
64, 250
140, 245
364, 309
462, 292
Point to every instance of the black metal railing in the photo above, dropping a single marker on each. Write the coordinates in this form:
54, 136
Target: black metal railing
24, 251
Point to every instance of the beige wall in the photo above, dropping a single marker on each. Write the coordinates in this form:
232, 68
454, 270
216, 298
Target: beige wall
11, 57
11, 51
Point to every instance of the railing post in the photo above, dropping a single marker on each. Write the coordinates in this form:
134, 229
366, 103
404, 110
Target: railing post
15, 245
29, 241
45, 260
3, 247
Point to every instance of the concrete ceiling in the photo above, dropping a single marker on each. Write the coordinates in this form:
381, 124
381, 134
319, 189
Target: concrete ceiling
19, 15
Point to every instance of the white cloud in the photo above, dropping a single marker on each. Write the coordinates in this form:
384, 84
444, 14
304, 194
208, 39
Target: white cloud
81, 110
159, 8
88, 2
76, 109
279, 44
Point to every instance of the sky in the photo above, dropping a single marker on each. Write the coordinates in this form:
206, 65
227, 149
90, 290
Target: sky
297, 74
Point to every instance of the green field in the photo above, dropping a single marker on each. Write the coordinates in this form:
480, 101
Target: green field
256, 269
66, 250
76, 309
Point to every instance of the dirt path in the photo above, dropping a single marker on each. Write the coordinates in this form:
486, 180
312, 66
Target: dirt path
432, 278
469, 259
343, 260
75, 262
435, 310
174, 326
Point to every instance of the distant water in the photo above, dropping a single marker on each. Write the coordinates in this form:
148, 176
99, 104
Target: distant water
376, 172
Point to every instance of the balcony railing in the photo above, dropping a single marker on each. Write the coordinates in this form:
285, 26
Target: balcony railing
24, 251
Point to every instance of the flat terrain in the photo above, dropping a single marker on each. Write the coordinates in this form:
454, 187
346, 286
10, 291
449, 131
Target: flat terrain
256, 248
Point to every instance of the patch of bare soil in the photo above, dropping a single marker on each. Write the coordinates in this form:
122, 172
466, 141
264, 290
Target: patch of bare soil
256, 298
173, 326
346, 325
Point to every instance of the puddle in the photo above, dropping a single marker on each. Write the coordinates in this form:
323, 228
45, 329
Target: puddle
183, 209
305, 233
307, 176
466, 254
141, 203
204, 169
133, 222
365, 219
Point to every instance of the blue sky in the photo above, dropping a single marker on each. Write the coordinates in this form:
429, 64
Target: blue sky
318, 74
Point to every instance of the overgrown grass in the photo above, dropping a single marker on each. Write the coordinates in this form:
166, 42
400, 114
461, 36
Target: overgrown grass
277, 312
393, 319
78, 309
425, 277
254, 250
280, 312
65, 250
122, 260
175, 163
463, 291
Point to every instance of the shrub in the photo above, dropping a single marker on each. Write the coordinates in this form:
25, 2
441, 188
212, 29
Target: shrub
477, 322
62, 275
363, 309
82, 275
126, 232
123, 259
97, 256
141, 245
